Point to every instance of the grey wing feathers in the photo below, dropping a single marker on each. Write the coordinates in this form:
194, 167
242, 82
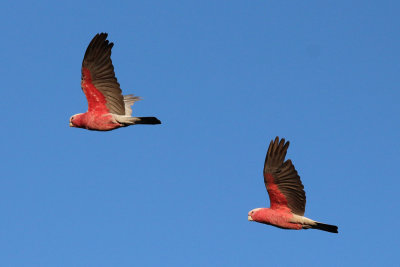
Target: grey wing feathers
276, 155
97, 60
285, 176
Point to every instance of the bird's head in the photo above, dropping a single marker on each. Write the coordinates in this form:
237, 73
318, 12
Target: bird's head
256, 215
75, 120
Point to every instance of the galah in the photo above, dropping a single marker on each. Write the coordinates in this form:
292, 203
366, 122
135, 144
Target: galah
108, 109
286, 194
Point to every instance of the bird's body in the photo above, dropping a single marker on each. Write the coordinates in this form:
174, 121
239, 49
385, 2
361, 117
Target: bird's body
278, 218
108, 109
95, 121
286, 194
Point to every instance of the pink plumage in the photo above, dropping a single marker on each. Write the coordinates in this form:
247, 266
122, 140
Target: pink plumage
108, 109
286, 194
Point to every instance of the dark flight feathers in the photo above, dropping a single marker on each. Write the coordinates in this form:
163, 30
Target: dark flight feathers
97, 60
285, 176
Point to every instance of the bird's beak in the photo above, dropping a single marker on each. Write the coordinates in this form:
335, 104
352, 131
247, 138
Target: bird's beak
70, 124
249, 218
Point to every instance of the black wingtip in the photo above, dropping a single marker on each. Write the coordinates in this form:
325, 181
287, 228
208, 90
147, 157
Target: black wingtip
101, 34
276, 153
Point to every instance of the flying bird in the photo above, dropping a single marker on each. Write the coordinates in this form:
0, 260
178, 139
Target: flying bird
286, 194
108, 109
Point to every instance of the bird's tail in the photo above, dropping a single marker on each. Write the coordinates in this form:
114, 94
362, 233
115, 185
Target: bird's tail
126, 121
325, 227
147, 120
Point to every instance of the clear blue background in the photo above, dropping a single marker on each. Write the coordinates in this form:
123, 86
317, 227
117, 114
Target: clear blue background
225, 77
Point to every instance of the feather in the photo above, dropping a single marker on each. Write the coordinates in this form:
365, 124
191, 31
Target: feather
97, 61
286, 182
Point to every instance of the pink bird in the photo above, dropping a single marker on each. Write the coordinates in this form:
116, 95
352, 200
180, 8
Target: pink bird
286, 194
108, 108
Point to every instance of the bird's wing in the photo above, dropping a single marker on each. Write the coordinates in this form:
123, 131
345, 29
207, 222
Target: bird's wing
98, 78
283, 184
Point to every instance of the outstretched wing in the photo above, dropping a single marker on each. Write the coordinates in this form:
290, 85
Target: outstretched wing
283, 184
98, 78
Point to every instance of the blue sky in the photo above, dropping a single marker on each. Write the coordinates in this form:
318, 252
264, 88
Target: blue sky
224, 77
